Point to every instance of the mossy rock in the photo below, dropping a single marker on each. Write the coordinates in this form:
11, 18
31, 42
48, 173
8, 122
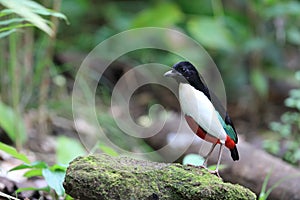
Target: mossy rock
105, 177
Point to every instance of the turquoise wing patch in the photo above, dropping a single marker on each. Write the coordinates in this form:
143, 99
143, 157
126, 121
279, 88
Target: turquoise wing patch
228, 129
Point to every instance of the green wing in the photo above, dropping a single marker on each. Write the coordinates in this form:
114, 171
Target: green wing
229, 128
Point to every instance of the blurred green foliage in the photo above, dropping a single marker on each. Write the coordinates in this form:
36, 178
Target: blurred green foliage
68, 149
250, 41
264, 192
25, 63
288, 130
19, 14
22, 68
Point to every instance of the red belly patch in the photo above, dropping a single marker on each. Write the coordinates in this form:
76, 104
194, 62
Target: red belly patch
200, 131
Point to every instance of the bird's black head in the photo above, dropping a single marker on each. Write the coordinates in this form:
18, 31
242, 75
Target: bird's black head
185, 72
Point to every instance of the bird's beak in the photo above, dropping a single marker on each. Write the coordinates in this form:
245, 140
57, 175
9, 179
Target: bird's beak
172, 73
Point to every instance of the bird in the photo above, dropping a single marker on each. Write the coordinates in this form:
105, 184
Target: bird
202, 112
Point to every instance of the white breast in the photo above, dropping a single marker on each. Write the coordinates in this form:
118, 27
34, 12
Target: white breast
195, 104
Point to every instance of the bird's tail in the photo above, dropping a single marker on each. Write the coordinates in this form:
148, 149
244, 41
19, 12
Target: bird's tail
234, 153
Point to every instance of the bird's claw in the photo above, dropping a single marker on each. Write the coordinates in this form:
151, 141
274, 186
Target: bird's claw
197, 166
215, 172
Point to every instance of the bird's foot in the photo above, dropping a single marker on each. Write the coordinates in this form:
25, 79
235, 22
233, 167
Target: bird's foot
215, 172
202, 167
197, 166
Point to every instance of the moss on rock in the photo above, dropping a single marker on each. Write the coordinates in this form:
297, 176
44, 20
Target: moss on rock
105, 177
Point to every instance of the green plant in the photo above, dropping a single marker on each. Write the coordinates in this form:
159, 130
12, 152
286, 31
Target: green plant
27, 11
13, 152
67, 150
24, 67
11, 123
264, 193
288, 129
54, 175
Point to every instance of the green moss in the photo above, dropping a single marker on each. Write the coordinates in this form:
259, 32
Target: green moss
105, 177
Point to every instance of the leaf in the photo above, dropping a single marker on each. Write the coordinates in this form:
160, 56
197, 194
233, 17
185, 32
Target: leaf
259, 82
297, 75
19, 167
5, 12
293, 36
68, 149
55, 180
213, 167
32, 5
41, 10
193, 159
108, 150
37, 165
45, 189
255, 44
281, 9
210, 32
263, 195
274, 186
21, 8
15, 26
7, 33
67, 197
162, 15
57, 167
10, 21
11, 123
33, 173
9, 120
272, 146
13, 152
49, 12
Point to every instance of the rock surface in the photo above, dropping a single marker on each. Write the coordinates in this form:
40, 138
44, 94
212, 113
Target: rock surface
105, 177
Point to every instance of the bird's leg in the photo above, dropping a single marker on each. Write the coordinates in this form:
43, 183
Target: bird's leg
216, 171
219, 157
204, 165
206, 157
